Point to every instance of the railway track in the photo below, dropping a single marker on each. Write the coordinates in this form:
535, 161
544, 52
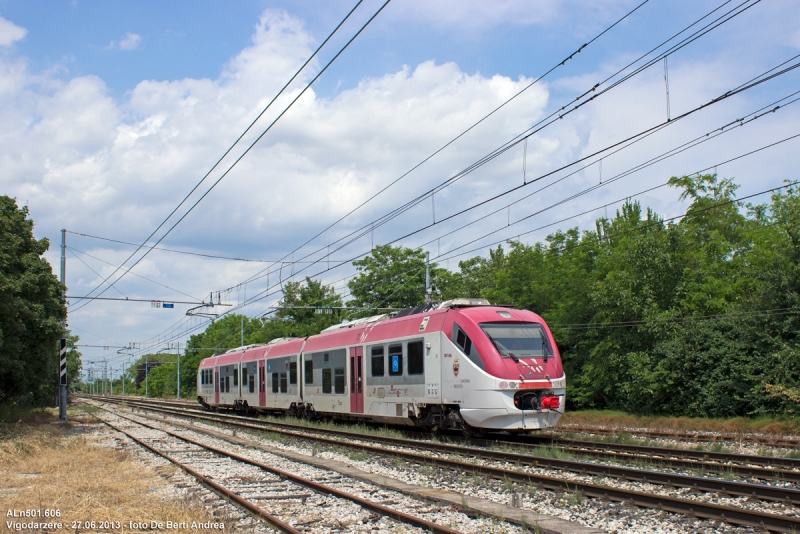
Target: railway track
443, 460
694, 437
287, 484
740, 465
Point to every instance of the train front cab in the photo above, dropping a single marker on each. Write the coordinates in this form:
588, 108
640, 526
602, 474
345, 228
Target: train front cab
502, 369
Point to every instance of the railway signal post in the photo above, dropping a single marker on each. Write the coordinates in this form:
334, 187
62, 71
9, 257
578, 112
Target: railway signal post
62, 354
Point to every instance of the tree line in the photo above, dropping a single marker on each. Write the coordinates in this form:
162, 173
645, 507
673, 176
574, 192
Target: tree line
698, 315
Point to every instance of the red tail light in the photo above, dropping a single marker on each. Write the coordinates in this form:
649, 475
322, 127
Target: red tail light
550, 402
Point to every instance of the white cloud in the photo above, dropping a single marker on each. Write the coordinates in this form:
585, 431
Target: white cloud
10, 32
131, 41
88, 162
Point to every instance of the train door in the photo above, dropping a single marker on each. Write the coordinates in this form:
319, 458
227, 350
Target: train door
356, 380
216, 385
262, 390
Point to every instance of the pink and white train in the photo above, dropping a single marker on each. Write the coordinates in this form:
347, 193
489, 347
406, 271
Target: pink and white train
462, 364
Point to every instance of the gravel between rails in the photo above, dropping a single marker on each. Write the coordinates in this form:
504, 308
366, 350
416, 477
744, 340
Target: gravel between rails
321, 513
610, 516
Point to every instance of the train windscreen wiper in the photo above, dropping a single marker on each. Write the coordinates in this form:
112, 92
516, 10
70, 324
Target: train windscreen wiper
500, 348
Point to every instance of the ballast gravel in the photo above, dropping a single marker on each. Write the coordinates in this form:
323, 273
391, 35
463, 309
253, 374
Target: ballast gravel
316, 512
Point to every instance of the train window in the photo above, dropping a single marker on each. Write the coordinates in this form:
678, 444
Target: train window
395, 360
235, 377
377, 361
251, 386
227, 384
261, 385
338, 380
244, 375
284, 386
416, 358
309, 371
293, 372
274, 382
522, 340
463, 341
326, 357
326, 380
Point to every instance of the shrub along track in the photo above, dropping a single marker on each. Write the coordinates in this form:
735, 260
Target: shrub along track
249, 505
733, 515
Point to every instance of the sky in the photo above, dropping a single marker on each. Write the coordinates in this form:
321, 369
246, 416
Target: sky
113, 111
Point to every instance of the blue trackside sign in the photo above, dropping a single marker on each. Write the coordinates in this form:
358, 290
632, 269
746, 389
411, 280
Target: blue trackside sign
167, 305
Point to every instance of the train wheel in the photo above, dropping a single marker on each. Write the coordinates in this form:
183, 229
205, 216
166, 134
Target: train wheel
470, 432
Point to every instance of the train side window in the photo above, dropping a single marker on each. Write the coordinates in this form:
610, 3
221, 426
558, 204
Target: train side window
274, 382
284, 386
338, 380
251, 386
309, 371
377, 361
465, 344
235, 377
293, 372
261, 384
228, 384
244, 376
416, 358
395, 360
326, 380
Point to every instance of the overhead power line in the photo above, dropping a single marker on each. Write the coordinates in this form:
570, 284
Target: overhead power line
241, 136
751, 84
539, 126
186, 252
250, 300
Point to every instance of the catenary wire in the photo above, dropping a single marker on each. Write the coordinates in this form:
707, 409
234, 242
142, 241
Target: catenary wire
534, 129
297, 73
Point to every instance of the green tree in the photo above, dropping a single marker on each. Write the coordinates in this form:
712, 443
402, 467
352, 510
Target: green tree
74, 363
31, 309
394, 277
297, 296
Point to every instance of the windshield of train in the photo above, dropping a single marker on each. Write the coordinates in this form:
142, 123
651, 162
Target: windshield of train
518, 340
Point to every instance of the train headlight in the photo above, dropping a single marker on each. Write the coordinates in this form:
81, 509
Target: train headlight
512, 385
503, 385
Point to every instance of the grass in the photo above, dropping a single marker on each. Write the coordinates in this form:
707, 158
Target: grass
735, 425
359, 456
51, 467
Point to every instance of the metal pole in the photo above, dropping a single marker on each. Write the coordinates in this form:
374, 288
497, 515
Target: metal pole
146, 373
242, 331
62, 353
427, 277
123, 379
179, 369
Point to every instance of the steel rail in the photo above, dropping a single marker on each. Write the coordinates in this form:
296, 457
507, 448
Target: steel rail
228, 494
668, 457
664, 452
741, 489
316, 486
682, 435
738, 516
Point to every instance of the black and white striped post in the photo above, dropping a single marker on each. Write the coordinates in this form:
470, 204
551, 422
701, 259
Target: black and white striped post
62, 355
